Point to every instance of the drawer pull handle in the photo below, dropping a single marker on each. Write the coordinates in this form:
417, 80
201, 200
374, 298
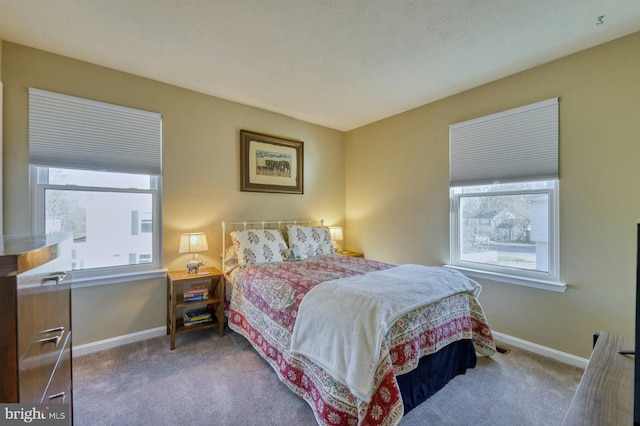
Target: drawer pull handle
53, 339
55, 279
57, 395
51, 330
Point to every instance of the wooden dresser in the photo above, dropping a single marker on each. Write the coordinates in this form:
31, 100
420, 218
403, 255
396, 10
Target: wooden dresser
605, 393
35, 313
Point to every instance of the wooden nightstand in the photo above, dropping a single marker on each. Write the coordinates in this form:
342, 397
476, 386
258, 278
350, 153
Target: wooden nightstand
350, 253
177, 282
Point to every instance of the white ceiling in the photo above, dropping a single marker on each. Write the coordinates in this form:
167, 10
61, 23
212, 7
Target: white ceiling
338, 63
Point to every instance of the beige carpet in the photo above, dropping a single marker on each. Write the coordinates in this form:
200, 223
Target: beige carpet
211, 381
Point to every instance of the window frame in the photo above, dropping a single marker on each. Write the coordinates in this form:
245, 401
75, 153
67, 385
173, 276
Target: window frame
39, 178
531, 278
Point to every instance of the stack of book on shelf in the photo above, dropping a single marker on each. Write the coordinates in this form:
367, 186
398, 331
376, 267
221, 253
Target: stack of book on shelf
197, 317
196, 293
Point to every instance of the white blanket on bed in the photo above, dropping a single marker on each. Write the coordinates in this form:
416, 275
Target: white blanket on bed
341, 323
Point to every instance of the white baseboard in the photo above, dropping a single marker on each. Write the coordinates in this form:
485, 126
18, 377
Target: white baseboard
118, 341
541, 350
161, 331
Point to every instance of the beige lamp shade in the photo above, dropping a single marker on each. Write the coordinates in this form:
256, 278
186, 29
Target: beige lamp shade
193, 242
336, 233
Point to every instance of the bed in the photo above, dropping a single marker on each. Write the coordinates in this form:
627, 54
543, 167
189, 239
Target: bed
349, 372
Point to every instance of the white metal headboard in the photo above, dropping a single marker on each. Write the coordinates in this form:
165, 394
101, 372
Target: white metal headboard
280, 225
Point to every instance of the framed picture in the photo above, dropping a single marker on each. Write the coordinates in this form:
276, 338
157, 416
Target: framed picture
270, 164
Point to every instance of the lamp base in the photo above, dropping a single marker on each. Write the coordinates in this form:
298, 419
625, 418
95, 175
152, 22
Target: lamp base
193, 267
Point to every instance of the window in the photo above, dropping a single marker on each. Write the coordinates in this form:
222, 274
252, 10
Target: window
95, 173
97, 209
504, 201
506, 228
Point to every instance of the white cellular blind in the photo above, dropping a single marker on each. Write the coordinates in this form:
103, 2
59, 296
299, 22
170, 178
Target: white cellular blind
520, 144
71, 132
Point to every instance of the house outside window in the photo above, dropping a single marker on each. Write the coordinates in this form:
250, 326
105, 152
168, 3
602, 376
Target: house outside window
505, 228
146, 223
96, 208
141, 222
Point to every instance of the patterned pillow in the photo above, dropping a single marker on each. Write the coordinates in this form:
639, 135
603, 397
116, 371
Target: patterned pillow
258, 245
310, 241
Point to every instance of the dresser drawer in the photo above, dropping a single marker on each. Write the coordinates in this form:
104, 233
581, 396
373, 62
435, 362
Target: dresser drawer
59, 388
44, 327
43, 312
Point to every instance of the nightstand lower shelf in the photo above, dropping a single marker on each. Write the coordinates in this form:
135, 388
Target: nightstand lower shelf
181, 328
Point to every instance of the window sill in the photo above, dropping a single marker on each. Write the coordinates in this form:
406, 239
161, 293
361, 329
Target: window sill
512, 279
90, 281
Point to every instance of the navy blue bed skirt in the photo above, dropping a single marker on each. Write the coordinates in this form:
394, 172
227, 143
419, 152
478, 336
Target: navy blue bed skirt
434, 371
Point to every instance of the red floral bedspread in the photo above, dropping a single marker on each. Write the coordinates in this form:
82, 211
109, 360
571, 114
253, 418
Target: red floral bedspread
263, 305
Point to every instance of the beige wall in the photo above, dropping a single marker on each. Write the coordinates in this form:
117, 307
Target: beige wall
396, 183
200, 173
397, 193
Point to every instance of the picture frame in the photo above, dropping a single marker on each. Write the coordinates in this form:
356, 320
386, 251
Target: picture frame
271, 163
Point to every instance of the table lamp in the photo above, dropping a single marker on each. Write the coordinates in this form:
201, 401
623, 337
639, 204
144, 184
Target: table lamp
193, 242
336, 235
